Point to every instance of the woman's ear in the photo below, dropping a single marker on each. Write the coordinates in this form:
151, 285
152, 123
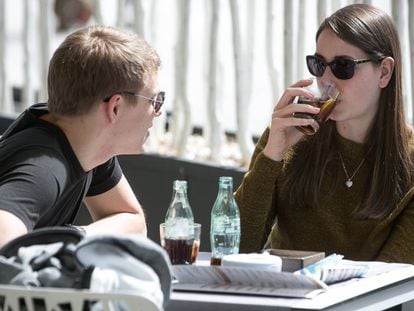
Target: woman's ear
387, 68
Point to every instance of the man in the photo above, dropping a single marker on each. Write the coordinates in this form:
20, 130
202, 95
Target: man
102, 98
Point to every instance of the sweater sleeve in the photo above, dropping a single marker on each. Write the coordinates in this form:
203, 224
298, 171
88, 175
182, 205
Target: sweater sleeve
255, 198
399, 246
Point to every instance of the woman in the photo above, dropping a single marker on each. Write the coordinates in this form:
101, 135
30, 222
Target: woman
348, 188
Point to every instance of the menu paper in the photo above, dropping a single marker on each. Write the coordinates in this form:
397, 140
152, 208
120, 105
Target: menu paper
245, 281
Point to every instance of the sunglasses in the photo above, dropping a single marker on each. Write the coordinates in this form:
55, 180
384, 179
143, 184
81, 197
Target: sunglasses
156, 101
342, 67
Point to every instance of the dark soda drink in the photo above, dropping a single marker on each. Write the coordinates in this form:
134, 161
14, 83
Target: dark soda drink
215, 261
326, 106
194, 253
180, 251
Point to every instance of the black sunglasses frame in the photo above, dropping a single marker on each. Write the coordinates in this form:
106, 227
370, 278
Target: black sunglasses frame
342, 67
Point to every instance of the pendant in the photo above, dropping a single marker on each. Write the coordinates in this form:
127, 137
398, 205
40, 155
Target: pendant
349, 183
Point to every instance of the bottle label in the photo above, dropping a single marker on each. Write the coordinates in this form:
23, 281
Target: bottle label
225, 236
225, 224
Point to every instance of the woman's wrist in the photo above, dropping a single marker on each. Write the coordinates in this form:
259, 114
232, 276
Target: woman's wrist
272, 155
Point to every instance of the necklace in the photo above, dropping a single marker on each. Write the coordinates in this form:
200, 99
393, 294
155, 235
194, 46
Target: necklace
349, 181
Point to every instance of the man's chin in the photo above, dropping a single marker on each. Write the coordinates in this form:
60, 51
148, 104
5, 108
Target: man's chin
137, 150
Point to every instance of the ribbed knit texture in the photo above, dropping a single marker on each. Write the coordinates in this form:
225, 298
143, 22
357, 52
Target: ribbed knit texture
330, 227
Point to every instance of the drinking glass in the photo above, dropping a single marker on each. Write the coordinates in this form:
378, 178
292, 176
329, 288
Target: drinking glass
182, 250
325, 98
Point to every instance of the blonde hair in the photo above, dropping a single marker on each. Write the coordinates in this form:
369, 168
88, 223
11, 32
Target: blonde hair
94, 63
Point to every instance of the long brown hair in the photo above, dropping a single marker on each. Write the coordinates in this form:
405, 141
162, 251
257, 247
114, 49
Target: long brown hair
387, 150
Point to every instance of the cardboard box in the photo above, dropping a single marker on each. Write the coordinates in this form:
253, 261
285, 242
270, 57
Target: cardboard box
295, 260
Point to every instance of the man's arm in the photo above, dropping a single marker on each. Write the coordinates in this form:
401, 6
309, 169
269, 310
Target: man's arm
10, 227
116, 211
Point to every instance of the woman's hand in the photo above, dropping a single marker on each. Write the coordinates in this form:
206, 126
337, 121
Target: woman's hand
283, 133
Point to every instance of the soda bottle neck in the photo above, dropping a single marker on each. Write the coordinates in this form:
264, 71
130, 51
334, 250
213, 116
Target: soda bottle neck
179, 190
225, 202
225, 186
180, 186
179, 194
179, 206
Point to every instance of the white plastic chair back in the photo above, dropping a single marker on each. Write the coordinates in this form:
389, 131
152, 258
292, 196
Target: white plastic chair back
52, 298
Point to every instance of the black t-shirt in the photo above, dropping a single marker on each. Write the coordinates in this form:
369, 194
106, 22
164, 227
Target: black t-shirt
41, 179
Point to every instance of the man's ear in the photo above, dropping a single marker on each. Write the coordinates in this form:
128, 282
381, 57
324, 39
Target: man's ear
112, 107
387, 68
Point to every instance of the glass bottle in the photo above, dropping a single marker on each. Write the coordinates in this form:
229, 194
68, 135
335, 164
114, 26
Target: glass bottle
179, 225
225, 222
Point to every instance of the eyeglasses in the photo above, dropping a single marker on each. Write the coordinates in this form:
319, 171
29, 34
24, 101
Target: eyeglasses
342, 67
156, 101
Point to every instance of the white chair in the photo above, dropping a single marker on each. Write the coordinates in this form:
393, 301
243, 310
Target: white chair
51, 299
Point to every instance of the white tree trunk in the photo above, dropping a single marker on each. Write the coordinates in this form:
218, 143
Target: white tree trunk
242, 87
272, 70
301, 40
154, 20
214, 134
5, 102
250, 48
322, 10
336, 5
45, 30
288, 38
139, 17
157, 140
120, 17
159, 124
411, 31
181, 122
246, 135
27, 91
97, 12
400, 16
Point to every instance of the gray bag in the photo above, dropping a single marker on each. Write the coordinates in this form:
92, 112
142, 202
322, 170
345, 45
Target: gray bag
63, 257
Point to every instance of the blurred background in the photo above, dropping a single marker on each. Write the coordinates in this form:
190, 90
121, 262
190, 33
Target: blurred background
224, 62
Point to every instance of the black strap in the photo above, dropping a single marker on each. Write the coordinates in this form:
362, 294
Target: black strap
45, 235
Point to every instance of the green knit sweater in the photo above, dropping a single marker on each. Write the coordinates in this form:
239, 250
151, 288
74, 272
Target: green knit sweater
330, 227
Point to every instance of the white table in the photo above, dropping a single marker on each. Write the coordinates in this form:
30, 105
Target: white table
385, 286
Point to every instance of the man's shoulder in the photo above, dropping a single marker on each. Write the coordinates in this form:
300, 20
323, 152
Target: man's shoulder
29, 128
34, 145
31, 138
